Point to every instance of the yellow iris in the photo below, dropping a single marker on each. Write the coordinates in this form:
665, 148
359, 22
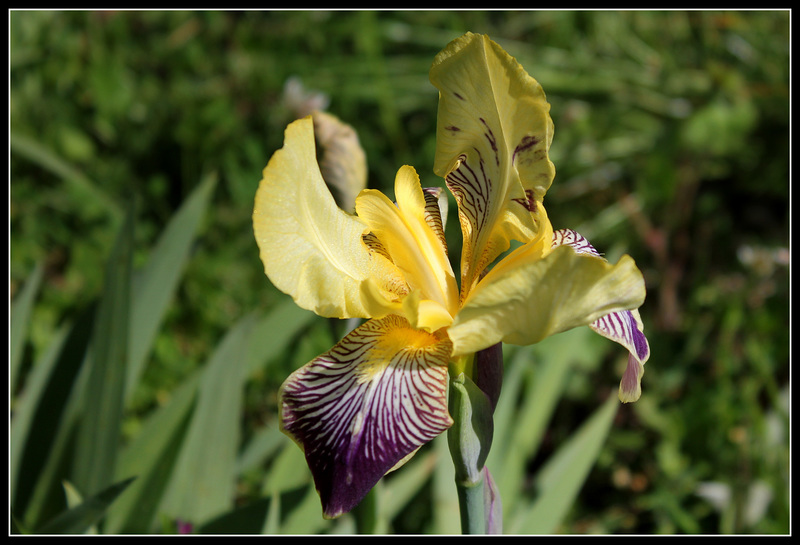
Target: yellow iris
380, 393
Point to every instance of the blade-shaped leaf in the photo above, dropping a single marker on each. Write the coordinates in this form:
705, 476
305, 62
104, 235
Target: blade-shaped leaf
155, 284
81, 517
273, 333
202, 485
21, 311
48, 160
248, 519
99, 433
544, 376
151, 457
399, 490
24, 416
43, 424
561, 479
446, 518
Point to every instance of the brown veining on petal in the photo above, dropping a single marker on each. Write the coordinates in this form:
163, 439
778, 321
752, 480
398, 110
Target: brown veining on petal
492, 140
528, 202
525, 144
433, 214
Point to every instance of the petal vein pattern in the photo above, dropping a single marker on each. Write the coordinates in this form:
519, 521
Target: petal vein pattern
494, 132
624, 327
366, 404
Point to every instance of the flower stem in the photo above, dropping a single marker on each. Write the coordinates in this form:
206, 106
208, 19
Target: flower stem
469, 439
471, 507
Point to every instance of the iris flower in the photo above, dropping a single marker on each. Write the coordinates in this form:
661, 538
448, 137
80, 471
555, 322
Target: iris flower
365, 406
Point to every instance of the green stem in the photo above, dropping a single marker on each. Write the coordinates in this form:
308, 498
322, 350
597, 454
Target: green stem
469, 439
471, 507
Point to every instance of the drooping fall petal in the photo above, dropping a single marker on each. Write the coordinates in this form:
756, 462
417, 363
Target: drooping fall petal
493, 135
624, 327
310, 248
367, 404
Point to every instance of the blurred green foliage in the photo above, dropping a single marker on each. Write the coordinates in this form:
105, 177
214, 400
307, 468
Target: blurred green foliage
671, 144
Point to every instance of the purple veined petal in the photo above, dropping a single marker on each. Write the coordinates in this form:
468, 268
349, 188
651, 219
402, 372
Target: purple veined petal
577, 241
362, 407
623, 327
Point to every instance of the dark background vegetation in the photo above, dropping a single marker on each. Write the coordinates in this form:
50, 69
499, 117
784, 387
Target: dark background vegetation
671, 144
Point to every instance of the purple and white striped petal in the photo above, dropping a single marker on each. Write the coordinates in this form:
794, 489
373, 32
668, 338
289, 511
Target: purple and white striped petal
623, 327
626, 329
572, 238
365, 405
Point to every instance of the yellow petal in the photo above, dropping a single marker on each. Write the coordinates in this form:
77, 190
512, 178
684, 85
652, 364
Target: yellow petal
523, 301
310, 248
494, 132
412, 244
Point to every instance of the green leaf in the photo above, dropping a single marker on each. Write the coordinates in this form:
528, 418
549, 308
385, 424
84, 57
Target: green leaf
248, 519
541, 373
304, 517
400, 488
43, 421
152, 456
560, 480
21, 310
99, 434
81, 517
446, 518
48, 160
543, 389
264, 444
275, 332
155, 285
289, 470
203, 483
24, 416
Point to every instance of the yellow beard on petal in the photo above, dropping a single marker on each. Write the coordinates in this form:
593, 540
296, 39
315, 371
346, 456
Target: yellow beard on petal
394, 343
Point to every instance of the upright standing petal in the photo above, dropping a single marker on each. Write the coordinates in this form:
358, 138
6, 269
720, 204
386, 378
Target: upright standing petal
494, 132
310, 248
412, 240
367, 404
